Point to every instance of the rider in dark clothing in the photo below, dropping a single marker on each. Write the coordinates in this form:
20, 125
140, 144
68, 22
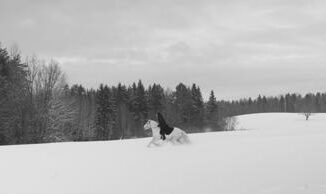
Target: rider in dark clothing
165, 129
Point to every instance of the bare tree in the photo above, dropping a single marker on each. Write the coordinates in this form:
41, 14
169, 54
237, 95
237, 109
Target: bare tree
32, 71
53, 113
307, 110
307, 114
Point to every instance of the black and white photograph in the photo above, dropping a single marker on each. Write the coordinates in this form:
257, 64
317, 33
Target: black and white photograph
162, 96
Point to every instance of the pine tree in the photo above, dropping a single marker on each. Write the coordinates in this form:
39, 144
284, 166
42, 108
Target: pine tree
13, 96
197, 112
183, 103
142, 106
288, 103
121, 105
282, 104
212, 116
318, 103
264, 104
138, 106
171, 113
112, 116
259, 103
156, 100
104, 113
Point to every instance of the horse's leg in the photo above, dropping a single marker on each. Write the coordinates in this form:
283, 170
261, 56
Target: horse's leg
154, 140
175, 140
151, 142
182, 138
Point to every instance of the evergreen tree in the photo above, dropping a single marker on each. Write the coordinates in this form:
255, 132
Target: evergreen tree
104, 113
282, 104
259, 103
122, 110
138, 106
156, 100
318, 102
212, 116
112, 112
288, 103
13, 96
197, 112
264, 104
183, 103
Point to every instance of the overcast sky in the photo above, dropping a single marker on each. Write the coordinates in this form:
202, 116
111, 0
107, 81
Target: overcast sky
238, 48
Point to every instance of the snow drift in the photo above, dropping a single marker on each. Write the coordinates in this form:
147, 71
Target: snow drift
277, 153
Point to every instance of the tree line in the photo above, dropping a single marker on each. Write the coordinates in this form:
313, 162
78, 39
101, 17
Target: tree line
118, 112
38, 106
291, 103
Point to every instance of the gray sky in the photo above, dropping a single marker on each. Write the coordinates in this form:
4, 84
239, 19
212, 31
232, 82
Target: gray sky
238, 48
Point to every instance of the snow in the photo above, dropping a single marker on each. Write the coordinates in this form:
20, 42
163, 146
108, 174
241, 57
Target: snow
276, 153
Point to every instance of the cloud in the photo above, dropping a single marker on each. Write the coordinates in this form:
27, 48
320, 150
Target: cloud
27, 23
233, 46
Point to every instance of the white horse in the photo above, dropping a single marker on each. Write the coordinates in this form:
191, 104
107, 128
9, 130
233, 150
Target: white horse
177, 136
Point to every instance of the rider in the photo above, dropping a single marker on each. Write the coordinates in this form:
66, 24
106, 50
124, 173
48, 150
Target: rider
164, 128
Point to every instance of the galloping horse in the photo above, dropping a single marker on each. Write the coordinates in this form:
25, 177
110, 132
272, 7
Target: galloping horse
177, 136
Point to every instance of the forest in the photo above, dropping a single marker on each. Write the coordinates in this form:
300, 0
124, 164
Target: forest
37, 105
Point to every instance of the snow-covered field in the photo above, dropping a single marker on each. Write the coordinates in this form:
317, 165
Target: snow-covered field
279, 153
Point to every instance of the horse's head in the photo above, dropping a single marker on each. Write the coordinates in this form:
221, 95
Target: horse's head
150, 124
